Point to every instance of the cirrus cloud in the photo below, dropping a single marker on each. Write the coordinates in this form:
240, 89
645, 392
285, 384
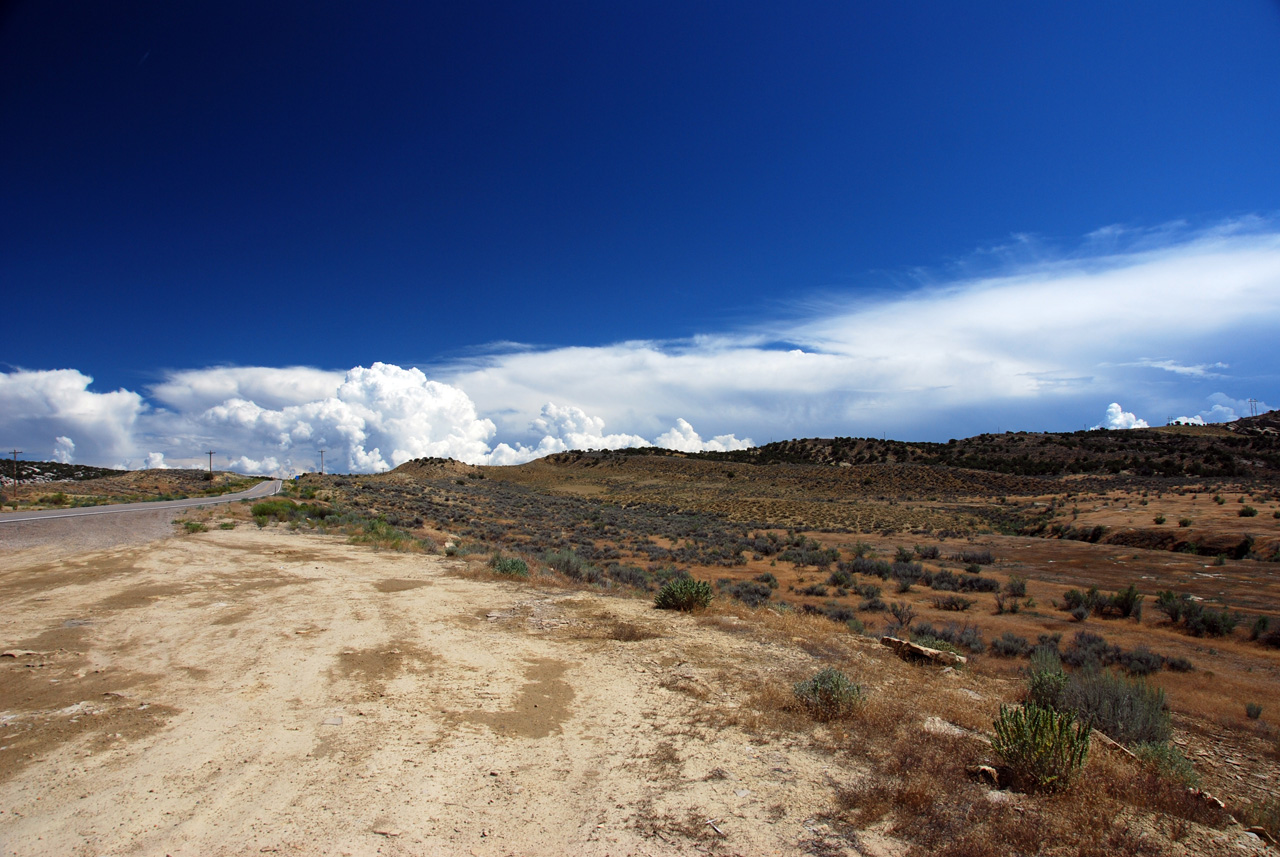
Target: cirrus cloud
1034, 344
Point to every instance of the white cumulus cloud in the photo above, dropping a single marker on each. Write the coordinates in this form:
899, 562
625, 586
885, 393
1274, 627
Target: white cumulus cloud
64, 449
1118, 418
682, 437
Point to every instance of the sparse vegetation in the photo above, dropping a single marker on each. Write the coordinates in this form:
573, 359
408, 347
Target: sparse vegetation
512, 566
684, 594
829, 695
1044, 749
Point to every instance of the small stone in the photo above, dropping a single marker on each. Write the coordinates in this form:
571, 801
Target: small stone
387, 831
333, 721
742, 792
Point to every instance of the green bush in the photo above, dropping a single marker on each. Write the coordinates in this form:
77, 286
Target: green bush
1253, 710
227, 525
1043, 749
1168, 762
1129, 711
1046, 679
194, 526
1159, 519
1247, 512
829, 695
509, 565
1184, 522
686, 594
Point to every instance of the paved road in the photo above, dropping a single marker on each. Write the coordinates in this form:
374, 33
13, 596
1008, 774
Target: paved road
262, 489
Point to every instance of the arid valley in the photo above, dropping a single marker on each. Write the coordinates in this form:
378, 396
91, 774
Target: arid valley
447, 659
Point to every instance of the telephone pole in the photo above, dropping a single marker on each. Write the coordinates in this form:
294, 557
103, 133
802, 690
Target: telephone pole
322, 462
15, 477
210, 454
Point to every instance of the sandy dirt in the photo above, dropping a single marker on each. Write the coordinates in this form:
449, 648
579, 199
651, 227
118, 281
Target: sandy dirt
263, 691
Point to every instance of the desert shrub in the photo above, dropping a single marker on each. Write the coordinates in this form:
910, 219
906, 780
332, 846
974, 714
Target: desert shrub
1046, 680
974, 557
877, 567
1184, 522
686, 594
873, 605
958, 638
841, 578
928, 551
512, 566
1010, 645
903, 555
260, 520
750, 592
1090, 650
1259, 627
1168, 762
1247, 512
286, 510
829, 695
569, 563
867, 590
1006, 604
1178, 665
1043, 749
227, 525
945, 581
906, 574
813, 590
1141, 661
1127, 603
1172, 604
838, 613
977, 583
1129, 711
1159, 519
1016, 586
630, 575
952, 602
903, 613
767, 579
194, 526
1253, 710
1264, 813
1200, 621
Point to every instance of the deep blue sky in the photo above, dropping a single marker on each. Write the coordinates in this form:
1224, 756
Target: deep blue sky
187, 184
395, 230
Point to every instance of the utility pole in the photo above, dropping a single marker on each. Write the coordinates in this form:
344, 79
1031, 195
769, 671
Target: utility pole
210, 454
322, 462
1253, 407
15, 477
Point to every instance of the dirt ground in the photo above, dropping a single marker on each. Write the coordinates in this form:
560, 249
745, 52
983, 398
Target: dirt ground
265, 691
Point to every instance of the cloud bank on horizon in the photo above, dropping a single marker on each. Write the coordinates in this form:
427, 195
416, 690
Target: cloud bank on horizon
1173, 320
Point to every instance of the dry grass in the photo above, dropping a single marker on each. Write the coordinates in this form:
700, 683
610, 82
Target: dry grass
890, 767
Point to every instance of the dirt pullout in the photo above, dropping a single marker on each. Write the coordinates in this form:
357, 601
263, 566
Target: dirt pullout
265, 692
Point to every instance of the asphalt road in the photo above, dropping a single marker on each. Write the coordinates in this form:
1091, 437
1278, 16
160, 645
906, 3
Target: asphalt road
262, 489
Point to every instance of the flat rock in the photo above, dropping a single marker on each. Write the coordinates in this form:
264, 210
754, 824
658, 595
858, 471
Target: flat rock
916, 652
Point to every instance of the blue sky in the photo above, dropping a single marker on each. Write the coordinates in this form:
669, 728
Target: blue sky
495, 230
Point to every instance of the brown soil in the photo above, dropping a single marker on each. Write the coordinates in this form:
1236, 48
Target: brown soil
275, 691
